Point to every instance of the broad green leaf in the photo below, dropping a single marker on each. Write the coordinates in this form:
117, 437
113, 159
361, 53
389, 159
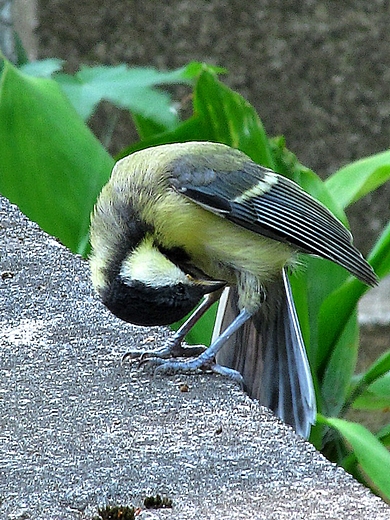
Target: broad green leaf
42, 68
190, 130
355, 180
373, 457
230, 119
381, 386
133, 89
21, 54
147, 127
51, 165
193, 70
323, 277
369, 400
339, 305
298, 281
359, 387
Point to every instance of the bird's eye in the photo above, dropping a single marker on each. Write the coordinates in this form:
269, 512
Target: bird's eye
180, 289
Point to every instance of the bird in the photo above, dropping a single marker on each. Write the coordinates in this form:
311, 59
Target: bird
182, 225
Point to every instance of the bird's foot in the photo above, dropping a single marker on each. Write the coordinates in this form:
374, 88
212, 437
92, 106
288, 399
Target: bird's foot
172, 348
203, 362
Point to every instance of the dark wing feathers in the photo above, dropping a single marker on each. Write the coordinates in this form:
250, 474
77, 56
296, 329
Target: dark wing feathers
269, 353
271, 205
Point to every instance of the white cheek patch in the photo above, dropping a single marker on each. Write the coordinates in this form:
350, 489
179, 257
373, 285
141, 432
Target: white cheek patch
148, 265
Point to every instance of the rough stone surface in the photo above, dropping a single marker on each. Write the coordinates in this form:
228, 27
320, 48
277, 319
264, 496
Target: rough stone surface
79, 430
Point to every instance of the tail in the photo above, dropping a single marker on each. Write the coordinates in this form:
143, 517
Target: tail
270, 354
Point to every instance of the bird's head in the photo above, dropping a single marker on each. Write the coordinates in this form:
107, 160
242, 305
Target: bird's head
148, 289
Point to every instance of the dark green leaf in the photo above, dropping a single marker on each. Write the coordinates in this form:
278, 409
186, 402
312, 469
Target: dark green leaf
378, 368
335, 312
51, 165
220, 115
230, 119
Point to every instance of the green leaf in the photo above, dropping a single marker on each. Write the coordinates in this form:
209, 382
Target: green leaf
147, 127
230, 119
359, 383
322, 278
373, 457
42, 68
378, 368
193, 70
371, 401
384, 435
133, 89
339, 305
51, 165
340, 368
335, 311
355, 180
379, 257
381, 386
21, 53
376, 396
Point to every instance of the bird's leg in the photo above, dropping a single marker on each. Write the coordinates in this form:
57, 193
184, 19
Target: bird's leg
206, 360
173, 346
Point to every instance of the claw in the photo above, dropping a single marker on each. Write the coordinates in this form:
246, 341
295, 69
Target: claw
169, 366
170, 349
132, 354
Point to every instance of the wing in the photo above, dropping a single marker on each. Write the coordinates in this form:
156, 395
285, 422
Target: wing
269, 204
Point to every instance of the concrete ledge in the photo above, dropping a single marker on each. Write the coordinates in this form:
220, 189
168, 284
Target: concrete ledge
79, 430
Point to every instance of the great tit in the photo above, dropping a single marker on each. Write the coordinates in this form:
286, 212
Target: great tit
179, 222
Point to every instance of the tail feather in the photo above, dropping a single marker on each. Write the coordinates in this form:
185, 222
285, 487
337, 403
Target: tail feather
270, 354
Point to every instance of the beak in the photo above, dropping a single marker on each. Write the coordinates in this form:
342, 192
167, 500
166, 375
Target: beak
208, 286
